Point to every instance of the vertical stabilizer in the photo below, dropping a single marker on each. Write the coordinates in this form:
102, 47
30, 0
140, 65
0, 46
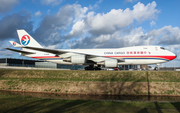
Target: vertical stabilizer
26, 40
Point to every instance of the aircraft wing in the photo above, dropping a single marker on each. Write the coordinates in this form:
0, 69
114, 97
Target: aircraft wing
59, 52
20, 51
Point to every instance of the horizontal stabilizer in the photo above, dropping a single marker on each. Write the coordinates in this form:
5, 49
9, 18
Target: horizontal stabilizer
15, 44
20, 51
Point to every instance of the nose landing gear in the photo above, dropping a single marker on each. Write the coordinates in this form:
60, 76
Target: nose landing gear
156, 67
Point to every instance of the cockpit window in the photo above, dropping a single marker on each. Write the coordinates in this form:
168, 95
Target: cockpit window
162, 48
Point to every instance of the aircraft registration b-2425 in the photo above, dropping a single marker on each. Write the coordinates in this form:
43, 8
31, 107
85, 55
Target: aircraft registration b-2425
92, 58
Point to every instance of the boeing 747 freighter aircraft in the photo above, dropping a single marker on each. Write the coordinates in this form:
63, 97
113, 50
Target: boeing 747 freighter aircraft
92, 58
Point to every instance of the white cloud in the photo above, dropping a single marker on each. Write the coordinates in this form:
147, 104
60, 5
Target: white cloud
116, 19
53, 26
134, 37
109, 29
152, 23
102, 38
78, 27
169, 35
53, 46
77, 11
142, 12
137, 37
7, 5
96, 5
173, 48
130, 1
38, 13
51, 2
92, 27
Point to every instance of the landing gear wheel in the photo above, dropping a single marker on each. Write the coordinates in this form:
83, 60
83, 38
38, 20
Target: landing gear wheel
92, 68
156, 68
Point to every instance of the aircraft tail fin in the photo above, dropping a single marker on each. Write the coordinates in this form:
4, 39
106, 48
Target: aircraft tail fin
26, 39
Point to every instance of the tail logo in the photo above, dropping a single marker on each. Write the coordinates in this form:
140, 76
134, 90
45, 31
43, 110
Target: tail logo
14, 43
25, 40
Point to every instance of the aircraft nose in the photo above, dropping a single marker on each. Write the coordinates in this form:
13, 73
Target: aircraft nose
175, 56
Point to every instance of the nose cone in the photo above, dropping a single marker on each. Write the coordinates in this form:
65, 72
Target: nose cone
169, 55
173, 57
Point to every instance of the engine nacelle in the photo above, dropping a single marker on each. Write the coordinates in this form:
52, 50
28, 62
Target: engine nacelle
76, 59
111, 63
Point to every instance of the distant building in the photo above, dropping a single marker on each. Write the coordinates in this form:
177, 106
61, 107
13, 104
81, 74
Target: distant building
128, 67
36, 63
18, 62
169, 68
45, 65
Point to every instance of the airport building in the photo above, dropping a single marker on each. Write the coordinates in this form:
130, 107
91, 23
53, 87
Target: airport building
128, 67
169, 68
36, 64
18, 62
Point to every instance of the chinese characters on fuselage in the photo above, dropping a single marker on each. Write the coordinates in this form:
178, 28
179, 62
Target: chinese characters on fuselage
128, 52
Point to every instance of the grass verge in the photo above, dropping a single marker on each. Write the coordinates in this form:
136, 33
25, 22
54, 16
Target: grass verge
119, 76
15, 103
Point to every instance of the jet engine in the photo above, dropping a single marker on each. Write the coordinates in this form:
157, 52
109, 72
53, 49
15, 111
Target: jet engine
76, 59
109, 63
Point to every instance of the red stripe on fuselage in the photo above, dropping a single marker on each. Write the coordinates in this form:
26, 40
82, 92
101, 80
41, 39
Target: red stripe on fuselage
163, 57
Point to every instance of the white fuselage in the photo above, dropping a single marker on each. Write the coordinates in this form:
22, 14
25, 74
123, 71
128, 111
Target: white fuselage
136, 55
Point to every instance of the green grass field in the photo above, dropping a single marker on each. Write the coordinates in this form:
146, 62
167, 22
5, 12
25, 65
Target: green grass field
92, 82
120, 76
16, 104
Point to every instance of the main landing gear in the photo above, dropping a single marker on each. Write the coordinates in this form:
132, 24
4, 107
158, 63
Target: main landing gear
156, 67
91, 67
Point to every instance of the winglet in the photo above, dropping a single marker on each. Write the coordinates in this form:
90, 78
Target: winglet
15, 44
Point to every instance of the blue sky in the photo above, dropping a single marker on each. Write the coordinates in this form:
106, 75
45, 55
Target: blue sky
92, 24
